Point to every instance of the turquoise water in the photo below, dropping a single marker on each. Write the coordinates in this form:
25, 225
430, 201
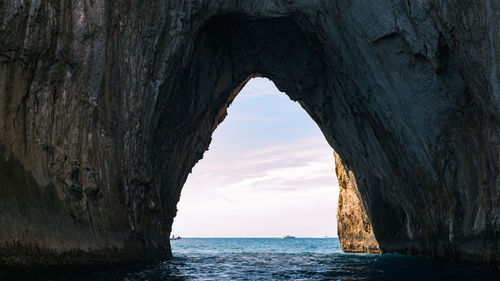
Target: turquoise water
290, 259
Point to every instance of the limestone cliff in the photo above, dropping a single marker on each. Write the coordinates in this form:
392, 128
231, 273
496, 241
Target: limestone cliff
105, 107
353, 224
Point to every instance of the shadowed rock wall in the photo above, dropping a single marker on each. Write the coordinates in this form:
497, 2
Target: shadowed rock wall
105, 107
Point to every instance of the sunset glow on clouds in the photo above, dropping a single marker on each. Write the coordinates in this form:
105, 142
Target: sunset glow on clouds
268, 172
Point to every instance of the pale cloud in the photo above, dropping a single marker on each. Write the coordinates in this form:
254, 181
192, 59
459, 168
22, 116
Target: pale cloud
288, 151
279, 176
299, 160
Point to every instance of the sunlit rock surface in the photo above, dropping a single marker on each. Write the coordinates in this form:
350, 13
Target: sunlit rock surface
354, 228
105, 106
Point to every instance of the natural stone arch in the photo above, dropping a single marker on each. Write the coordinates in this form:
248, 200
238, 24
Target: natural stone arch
227, 53
106, 106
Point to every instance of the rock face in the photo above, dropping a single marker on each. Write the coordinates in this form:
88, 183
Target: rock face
105, 107
354, 228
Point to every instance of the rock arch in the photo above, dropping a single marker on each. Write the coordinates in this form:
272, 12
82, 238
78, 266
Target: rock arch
106, 107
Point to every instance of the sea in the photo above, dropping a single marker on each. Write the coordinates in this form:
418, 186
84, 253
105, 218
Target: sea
289, 259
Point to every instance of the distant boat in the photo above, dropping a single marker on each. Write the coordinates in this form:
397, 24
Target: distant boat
288, 237
175, 237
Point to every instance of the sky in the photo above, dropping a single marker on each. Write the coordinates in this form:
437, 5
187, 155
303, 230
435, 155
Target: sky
268, 172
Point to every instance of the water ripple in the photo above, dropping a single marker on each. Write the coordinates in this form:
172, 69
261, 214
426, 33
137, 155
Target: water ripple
300, 259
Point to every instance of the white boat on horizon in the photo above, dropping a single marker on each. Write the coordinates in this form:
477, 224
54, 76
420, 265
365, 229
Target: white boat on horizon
288, 237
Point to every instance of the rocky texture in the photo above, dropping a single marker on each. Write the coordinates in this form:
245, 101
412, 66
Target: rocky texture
105, 106
353, 225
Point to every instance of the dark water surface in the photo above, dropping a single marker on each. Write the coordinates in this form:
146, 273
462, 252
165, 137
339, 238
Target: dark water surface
289, 259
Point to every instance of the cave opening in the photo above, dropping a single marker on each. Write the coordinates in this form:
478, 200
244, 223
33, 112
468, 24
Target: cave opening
268, 172
227, 52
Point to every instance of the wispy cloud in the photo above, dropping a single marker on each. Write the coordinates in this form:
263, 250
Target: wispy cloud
303, 164
288, 153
